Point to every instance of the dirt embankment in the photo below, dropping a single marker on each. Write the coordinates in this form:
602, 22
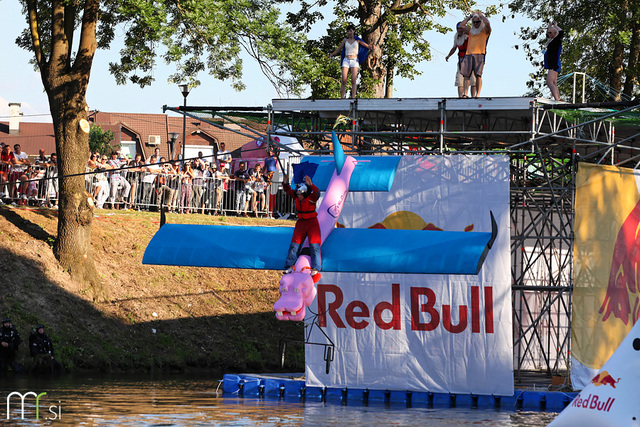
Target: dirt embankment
153, 317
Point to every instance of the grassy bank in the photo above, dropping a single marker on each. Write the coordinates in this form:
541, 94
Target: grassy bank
144, 317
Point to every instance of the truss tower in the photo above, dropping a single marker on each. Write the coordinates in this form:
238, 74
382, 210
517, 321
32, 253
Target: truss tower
545, 141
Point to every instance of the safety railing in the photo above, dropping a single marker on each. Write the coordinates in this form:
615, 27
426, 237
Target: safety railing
141, 189
35, 185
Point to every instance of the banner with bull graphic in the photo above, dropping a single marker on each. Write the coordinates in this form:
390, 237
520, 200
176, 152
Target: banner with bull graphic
439, 333
606, 299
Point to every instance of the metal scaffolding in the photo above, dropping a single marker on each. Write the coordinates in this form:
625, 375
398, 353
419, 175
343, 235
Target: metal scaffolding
546, 141
545, 147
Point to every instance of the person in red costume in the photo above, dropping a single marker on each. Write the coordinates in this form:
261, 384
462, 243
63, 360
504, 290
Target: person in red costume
305, 197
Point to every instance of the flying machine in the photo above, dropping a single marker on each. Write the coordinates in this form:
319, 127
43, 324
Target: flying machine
366, 250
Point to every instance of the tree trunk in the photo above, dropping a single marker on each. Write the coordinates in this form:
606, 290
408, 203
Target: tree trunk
617, 55
371, 17
65, 78
631, 72
389, 82
72, 248
617, 67
378, 72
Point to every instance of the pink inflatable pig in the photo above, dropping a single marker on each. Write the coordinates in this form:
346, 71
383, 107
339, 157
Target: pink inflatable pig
297, 289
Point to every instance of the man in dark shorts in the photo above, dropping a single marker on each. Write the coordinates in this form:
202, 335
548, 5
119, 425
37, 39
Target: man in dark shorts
473, 61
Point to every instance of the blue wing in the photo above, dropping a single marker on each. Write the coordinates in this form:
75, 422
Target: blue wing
223, 246
405, 251
345, 250
372, 173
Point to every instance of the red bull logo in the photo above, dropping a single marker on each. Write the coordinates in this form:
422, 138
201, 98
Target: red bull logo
592, 401
603, 378
623, 280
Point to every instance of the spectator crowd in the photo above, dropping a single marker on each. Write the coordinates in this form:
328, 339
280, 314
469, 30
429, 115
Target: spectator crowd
26, 181
207, 185
213, 185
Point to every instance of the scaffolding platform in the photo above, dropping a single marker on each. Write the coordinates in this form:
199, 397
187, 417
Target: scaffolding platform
445, 125
545, 141
422, 105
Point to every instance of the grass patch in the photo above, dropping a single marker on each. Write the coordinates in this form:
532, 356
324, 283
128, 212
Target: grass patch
205, 318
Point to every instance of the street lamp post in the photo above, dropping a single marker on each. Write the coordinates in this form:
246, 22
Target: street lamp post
185, 89
173, 136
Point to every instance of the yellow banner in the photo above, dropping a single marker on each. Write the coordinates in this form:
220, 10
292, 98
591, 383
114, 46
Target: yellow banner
606, 253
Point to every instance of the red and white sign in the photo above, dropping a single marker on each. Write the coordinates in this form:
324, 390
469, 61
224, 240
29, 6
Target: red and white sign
611, 398
439, 333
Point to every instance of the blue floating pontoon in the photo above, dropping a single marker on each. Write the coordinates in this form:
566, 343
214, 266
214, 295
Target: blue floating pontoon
290, 386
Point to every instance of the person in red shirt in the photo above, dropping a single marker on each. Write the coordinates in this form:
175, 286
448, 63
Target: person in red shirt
305, 197
5, 165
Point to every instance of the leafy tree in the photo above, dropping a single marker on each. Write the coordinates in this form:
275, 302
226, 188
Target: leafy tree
100, 140
396, 28
195, 35
602, 39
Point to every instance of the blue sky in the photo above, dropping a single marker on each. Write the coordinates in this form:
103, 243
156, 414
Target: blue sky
506, 72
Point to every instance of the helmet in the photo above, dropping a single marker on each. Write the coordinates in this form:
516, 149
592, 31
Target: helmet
302, 188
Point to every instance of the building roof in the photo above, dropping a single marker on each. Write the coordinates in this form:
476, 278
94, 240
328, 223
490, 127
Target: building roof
160, 125
148, 130
33, 136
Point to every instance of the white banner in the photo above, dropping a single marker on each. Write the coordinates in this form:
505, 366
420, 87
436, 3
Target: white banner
439, 333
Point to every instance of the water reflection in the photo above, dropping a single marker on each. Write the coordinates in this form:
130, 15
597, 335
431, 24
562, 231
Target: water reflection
187, 401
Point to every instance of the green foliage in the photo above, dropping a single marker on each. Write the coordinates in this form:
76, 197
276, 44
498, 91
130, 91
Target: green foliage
194, 36
208, 35
396, 28
600, 39
101, 140
251, 353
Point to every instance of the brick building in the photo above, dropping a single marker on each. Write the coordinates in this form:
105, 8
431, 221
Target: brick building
136, 133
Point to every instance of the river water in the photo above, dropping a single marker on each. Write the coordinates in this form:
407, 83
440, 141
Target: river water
183, 400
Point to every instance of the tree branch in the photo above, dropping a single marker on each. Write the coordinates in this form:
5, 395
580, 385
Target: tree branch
35, 33
69, 21
408, 7
88, 43
265, 67
59, 47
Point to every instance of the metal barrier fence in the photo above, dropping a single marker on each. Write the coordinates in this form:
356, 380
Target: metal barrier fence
35, 185
143, 190
137, 188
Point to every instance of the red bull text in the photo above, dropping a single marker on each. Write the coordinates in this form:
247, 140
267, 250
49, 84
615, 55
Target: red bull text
425, 314
593, 402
